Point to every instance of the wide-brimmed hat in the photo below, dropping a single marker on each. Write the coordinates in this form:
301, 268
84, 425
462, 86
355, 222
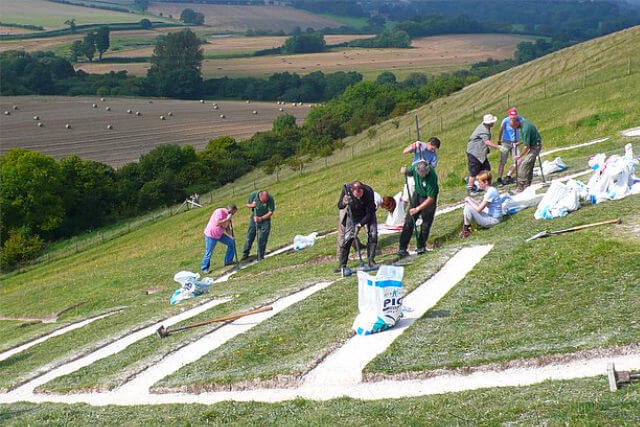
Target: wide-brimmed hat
489, 119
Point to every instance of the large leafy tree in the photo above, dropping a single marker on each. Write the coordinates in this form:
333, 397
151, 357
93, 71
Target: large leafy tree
89, 45
176, 65
102, 40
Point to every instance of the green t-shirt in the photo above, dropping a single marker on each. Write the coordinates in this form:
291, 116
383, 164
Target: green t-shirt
261, 208
427, 186
529, 134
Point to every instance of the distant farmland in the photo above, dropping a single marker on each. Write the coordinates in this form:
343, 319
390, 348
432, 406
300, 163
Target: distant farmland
52, 15
191, 123
429, 54
235, 18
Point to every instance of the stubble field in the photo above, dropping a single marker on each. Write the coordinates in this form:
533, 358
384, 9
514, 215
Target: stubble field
191, 123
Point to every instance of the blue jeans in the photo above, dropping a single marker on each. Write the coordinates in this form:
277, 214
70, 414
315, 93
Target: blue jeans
210, 244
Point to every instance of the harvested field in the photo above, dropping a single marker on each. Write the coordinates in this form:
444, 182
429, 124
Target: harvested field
234, 18
430, 54
235, 45
13, 30
191, 123
52, 15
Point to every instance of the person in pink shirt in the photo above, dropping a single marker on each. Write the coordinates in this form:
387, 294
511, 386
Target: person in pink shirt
218, 230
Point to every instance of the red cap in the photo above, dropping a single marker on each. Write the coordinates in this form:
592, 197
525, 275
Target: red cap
513, 113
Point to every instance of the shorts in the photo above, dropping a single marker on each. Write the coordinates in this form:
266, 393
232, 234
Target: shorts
504, 157
475, 166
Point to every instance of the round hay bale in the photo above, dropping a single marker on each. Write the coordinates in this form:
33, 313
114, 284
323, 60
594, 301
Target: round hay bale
36, 117
109, 126
169, 114
222, 116
280, 109
161, 117
15, 107
138, 113
215, 107
248, 102
40, 124
254, 112
129, 111
202, 101
6, 113
108, 108
68, 126
102, 99
94, 106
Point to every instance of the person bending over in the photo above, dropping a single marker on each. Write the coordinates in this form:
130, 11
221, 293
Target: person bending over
358, 200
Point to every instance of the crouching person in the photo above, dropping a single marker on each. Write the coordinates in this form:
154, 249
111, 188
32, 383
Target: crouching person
474, 211
423, 196
358, 201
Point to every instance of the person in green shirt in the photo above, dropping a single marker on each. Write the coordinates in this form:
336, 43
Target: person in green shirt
423, 206
531, 146
262, 208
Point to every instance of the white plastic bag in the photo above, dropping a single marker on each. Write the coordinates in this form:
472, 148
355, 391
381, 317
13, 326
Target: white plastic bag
301, 242
379, 300
613, 178
191, 286
396, 218
549, 167
523, 200
558, 201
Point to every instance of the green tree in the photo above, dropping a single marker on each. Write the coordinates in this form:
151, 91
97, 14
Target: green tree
190, 16
176, 65
386, 77
76, 50
72, 24
102, 40
141, 4
305, 43
145, 24
89, 46
30, 195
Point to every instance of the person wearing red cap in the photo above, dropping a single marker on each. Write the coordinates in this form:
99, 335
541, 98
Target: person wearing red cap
508, 138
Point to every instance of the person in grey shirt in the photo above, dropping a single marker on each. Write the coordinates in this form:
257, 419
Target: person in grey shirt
478, 149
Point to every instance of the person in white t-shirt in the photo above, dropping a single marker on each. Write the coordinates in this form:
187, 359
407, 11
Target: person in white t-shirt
395, 206
486, 213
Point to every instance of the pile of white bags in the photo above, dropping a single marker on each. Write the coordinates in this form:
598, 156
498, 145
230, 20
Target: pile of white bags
523, 200
301, 242
612, 178
192, 286
549, 167
379, 300
559, 200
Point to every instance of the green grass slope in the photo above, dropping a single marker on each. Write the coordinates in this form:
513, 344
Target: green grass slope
581, 93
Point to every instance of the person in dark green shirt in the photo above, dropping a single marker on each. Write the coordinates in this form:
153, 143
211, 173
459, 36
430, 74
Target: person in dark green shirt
423, 206
531, 146
262, 207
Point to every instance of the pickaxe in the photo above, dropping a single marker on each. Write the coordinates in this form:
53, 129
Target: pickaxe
165, 332
547, 233
619, 378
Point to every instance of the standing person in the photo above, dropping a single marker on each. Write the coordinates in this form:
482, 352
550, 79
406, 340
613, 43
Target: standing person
262, 207
426, 151
360, 200
474, 211
532, 143
424, 195
478, 149
218, 229
378, 200
508, 138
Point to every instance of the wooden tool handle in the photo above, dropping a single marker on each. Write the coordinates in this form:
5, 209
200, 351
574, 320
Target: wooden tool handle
595, 224
227, 318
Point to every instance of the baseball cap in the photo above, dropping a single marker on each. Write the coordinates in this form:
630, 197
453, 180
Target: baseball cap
489, 119
512, 113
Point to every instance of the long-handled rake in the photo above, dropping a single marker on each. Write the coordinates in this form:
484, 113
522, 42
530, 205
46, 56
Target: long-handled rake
165, 332
547, 233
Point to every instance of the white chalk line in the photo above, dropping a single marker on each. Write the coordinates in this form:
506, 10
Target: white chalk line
571, 147
344, 367
112, 348
631, 132
7, 354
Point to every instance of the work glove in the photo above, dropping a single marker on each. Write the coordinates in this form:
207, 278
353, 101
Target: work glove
503, 149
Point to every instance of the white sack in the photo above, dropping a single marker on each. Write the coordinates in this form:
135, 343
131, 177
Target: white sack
549, 167
379, 300
301, 242
559, 200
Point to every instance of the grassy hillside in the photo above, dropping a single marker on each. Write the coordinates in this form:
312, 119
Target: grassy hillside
581, 93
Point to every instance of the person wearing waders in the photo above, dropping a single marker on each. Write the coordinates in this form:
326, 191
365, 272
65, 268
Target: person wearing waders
358, 200
262, 207
424, 195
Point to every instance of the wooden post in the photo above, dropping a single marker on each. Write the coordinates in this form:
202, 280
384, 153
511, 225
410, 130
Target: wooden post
584, 79
352, 152
440, 123
629, 67
545, 90
277, 175
233, 192
508, 101
254, 184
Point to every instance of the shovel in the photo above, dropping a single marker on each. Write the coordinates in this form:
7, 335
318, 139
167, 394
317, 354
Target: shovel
547, 233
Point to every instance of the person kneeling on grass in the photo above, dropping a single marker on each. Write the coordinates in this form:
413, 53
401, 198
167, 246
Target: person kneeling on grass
476, 212
219, 230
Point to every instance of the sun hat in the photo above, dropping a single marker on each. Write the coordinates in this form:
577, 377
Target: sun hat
489, 119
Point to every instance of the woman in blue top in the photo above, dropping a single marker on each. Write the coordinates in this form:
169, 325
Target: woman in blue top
474, 211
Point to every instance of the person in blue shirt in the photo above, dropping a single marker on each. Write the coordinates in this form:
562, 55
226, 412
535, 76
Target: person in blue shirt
425, 151
509, 137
